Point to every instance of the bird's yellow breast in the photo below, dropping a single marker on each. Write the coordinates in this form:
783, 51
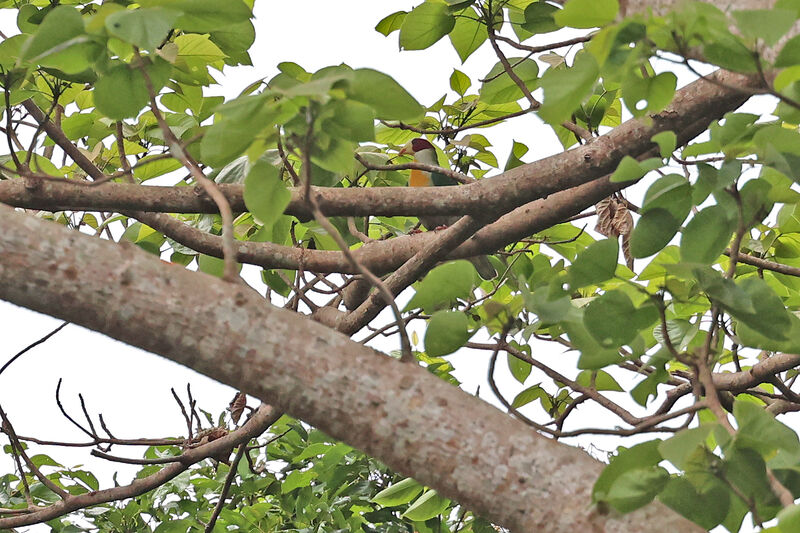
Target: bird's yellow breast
419, 178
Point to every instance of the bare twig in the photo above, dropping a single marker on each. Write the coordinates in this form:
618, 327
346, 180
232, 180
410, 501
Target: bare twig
458, 176
31, 346
453, 131
544, 47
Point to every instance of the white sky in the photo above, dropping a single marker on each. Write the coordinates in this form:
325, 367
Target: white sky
131, 387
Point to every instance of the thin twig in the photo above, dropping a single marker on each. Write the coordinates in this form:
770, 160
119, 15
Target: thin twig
453, 131
66, 415
458, 176
31, 346
544, 47
223, 494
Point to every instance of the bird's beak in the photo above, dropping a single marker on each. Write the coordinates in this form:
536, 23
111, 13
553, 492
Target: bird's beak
407, 149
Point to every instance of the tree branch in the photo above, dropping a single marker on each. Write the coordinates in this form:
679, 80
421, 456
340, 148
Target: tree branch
263, 418
456, 443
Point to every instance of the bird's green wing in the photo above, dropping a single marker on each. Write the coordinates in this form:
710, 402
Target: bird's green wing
442, 180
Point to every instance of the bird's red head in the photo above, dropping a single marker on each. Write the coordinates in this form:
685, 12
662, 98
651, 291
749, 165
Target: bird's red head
416, 145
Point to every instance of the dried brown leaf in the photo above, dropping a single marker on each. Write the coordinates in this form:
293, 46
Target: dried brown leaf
605, 217
237, 405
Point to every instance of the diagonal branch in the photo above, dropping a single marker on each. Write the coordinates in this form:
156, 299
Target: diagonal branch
450, 440
263, 418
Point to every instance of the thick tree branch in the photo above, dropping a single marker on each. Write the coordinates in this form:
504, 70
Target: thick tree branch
401, 414
491, 197
381, 257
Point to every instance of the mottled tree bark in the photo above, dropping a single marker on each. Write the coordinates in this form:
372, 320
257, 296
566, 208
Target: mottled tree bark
399, 413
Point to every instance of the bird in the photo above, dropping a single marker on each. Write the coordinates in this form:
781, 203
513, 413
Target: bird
424, 152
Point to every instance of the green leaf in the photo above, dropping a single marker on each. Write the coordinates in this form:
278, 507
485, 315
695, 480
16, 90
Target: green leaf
769, 316
540, 18
789, 54
235, 40
426, 507
443, 285
195, 54
728, 52
501, 88
653, 232
425, 25
650, 94
297, 479
350, 120
265, 194
459, 82
745, 469
565, 88
150, 167
708, 508
146, 28
613, 320
759, 430
724, 291
60, 42
379, 91
636, 488
587, 13
205, 16
398, 493
599, 358
595, 264
276, 283
529, 395
519, 369
593, 355
636, 457
515, 157
211, 265
447, 331
789, 519
599, 380
122, 91
711, 180
707, 235
516, 18
391, 23
629, 169
236, 123
468, 34
666, 141
680, 333
666, 204
334, 156
58, 26
679, 448
791, 344
734, 128
550, 303
171, 526
44, 460
768, 25
649, 386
